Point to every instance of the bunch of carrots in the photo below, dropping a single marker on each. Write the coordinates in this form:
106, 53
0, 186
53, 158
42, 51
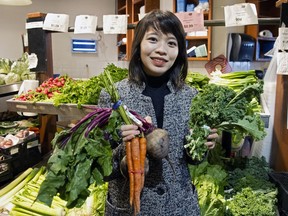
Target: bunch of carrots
136, 156
135, 149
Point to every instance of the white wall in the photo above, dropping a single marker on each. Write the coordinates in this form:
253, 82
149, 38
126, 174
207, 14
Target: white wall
12, 25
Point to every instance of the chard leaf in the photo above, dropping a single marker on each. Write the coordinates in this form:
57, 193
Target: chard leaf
97, 176
79, 184
50, 187
251, 125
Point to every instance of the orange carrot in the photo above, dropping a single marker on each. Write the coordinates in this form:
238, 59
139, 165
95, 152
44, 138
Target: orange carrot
135, 147
130, 171
143, 151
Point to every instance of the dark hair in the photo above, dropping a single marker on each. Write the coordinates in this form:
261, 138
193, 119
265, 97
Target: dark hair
166, 22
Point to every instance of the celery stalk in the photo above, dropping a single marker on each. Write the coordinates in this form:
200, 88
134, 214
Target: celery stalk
23, 212
38, 208
15, 182
8, 196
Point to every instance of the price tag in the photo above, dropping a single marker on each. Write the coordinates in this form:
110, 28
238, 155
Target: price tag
192, 21
85, 24
33, 60
240, 14
56, 22
115, 24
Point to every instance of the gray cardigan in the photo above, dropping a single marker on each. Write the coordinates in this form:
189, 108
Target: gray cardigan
164, 192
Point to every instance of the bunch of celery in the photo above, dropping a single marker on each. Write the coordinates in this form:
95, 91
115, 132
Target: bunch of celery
237, 80
20, 195
19, 198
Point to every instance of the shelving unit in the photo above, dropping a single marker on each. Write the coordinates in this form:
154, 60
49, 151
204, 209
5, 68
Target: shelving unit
265, 9
132, 9
199, 40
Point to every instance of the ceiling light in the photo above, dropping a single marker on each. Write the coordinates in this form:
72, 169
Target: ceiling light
15, 2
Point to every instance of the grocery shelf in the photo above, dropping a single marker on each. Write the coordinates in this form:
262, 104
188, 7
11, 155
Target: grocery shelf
49, 108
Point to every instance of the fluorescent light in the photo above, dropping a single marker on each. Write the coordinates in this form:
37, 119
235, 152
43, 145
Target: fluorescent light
15, 2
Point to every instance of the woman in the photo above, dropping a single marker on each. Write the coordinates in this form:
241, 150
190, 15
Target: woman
156, 88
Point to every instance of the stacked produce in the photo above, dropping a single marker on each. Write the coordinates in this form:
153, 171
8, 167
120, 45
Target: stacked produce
66, 90
237, 187
232, 106
19, 198
15, 71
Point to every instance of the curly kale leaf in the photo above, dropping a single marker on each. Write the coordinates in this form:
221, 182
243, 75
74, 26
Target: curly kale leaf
222, 108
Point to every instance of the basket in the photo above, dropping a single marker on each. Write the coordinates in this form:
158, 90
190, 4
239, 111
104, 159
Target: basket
280, 179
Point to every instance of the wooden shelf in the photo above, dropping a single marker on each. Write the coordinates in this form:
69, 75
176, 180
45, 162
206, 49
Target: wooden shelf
199, 40
132, 8
49, 108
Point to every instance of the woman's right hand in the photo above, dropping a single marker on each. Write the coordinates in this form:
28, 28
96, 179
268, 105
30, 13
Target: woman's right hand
128, 132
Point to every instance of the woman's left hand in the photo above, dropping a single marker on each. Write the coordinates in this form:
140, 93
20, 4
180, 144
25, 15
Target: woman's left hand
211, 139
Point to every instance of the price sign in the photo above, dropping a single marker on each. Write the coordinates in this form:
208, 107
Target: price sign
85, 24
240, 14
192, 21
56, 22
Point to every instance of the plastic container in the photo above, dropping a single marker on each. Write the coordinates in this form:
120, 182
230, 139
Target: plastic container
280, 179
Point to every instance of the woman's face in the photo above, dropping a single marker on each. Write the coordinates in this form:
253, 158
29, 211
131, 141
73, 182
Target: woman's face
158, 52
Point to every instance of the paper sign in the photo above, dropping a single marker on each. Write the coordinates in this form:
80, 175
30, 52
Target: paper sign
85, 24
56, 22
32, 25
282, 55
282, 63
192, 21
240, 14
283, 39
33, 60
115, 24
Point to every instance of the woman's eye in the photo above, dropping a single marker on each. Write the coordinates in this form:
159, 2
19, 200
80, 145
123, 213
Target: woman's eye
172, 43
152, 39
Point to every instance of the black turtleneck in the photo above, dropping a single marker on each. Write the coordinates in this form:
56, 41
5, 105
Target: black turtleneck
156, 88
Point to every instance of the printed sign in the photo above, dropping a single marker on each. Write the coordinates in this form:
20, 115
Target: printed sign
240, 14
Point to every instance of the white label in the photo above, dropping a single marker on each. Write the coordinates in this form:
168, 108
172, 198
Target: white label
32, 25
33, 60
56, 22
240, 14
115, 24
85, 24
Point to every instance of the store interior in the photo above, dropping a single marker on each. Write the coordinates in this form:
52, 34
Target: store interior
40, 122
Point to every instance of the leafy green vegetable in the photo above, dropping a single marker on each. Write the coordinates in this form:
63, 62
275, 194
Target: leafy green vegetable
87, 91
222, 108
11, 78
209, 181
250, 202
5, 65
84, 159
197, 80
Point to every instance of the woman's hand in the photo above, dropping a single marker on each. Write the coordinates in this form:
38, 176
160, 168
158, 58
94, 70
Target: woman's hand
128, 132
211, 139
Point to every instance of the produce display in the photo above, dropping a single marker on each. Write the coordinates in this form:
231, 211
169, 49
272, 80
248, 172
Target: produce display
73, 181
66, 90
83, 154
237, 187
18, 198
15, 71
232, 106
